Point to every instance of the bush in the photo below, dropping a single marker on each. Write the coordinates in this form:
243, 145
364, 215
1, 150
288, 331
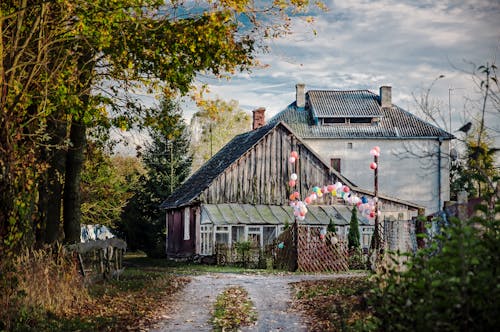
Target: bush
453, 285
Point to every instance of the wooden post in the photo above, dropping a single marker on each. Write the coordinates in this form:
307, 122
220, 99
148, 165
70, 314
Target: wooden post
375, 185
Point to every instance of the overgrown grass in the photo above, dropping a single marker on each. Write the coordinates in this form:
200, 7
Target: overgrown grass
139, 259
42, 291
339, 304
233, 309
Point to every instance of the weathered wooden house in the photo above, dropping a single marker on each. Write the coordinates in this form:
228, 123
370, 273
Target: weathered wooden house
341, 127
242, 194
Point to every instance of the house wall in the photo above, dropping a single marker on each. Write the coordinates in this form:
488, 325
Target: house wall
177, 245
408, 169
261, 175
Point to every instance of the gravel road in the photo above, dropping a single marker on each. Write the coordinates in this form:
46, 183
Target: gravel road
271, 295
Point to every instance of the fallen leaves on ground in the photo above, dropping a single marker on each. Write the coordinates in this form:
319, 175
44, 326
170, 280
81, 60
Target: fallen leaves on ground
133, 303
334, 305
233, 309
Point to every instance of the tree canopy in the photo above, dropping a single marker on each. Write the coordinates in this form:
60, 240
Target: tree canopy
66, 66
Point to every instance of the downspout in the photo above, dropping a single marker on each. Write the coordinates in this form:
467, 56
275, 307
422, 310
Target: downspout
440, 140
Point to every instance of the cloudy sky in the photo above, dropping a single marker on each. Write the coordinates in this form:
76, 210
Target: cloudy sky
365, 44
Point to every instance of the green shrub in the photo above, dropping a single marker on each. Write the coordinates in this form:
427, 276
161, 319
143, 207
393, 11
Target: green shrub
453, 285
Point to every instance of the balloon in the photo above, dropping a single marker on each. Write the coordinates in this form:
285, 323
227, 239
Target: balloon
294, 154
308, 200
338, 185
372, 214
293, 177
334, 192
364, 199
346, 189
376, 148
373, 152
291, 183
292, 160
324, 190
373, 165
292, 197
281, 245
314, 196
330, 188
334, 240
296, 195
319, 194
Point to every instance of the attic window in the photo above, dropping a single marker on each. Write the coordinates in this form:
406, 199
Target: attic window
333, 120
360, 120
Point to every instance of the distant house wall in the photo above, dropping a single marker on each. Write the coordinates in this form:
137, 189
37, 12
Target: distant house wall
401, 175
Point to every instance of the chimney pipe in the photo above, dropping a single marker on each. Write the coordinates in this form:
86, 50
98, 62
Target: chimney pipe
258, 118
385, 96
300, 95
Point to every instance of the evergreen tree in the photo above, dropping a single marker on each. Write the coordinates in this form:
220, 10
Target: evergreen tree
353, 236
331, 227
167, 162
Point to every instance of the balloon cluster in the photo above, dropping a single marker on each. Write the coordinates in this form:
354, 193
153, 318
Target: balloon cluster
374, 152
366, 206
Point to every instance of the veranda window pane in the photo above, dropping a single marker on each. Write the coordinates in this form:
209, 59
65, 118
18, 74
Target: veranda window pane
222, 238
238, 234
269, 235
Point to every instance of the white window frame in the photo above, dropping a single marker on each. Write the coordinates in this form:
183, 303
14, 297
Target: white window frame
187, 234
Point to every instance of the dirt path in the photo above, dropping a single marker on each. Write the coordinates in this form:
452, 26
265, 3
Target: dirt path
269, 293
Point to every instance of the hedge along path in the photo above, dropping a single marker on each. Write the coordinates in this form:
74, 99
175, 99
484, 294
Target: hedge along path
271, 295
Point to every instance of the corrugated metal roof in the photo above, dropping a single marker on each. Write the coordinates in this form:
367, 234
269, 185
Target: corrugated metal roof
334, 104
247, 214
394, 122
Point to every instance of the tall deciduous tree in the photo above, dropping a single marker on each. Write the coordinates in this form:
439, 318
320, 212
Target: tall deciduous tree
70, 58
214, 125
168, 163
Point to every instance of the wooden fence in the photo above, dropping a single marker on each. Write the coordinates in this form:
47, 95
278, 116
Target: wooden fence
100, 259
305, 249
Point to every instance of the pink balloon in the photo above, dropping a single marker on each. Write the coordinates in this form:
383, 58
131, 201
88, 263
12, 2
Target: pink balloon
308, 200
373, 165
291, 160
291, 183
330, 188
346, 189
376, 148
294, 154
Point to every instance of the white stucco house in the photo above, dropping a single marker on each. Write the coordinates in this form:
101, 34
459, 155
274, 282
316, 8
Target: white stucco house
343, 126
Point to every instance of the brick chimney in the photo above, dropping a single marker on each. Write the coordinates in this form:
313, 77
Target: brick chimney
385, 96
258, 118
300, 95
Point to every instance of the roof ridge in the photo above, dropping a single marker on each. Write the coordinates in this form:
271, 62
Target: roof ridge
352, 90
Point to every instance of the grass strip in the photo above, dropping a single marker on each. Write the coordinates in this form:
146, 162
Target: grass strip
233, 309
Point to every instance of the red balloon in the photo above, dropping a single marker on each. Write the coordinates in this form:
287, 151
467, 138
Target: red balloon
373, 165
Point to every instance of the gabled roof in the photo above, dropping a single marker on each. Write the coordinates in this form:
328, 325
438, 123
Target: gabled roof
394, 122
333, 104
203, 177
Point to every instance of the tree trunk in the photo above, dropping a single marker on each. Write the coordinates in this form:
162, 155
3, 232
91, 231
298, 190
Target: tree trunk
72, 194
55, 184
